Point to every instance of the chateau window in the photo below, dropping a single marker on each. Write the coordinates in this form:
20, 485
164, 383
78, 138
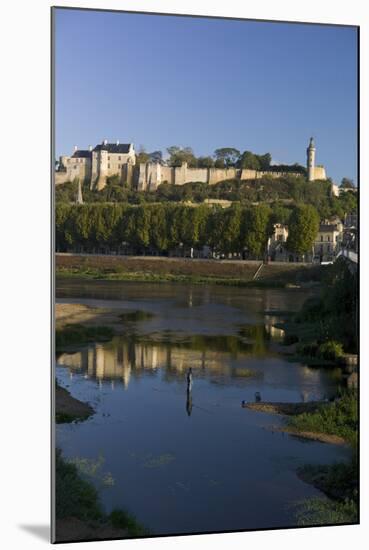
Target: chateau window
321, 238
118, 165
108, 158
108, 166
328, 239
119, 158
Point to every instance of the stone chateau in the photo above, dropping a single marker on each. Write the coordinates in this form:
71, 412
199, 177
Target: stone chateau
108, 159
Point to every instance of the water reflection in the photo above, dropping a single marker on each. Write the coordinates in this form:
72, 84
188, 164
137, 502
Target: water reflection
223, 360
189, 401
205, 448
123, 358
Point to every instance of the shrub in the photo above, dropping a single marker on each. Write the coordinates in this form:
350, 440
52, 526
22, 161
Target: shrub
338, 418
330, 350
309, 350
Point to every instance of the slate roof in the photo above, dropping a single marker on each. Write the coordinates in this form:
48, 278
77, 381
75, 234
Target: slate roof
114, 148
82, 154
328, 228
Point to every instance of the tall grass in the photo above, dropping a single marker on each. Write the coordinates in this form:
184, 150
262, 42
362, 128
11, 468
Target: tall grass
76, 497
337, 418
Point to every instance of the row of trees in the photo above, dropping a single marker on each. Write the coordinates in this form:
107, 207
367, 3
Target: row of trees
164, 227
224, 157
289, 189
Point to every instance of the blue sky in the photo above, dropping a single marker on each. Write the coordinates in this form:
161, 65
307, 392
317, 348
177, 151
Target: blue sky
206, 83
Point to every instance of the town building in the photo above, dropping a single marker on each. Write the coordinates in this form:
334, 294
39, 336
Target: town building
327, 244
328, 241
277, 244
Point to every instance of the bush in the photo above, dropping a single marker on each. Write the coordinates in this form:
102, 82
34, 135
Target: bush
311, 310
120, 519
316, 511
75, 497
309, 350
330, 350
338, 418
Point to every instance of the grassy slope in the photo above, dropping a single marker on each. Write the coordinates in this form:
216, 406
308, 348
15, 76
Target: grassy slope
158, 269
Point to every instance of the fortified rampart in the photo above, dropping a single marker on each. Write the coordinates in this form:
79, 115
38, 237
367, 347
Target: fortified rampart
150, 175
116, 159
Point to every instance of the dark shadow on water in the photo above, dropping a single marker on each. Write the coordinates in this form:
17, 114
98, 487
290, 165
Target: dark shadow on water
40, 531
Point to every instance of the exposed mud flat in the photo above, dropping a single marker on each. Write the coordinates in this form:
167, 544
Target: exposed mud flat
68, 408
69, 314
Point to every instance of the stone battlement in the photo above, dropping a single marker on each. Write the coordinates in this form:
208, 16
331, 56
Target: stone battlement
150, 175
118, 159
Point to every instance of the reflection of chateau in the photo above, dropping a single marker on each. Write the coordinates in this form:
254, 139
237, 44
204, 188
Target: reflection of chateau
124, 359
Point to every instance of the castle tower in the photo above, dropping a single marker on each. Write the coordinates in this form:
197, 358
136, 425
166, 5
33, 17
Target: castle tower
310, 164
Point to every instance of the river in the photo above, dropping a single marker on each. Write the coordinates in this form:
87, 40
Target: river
188, 462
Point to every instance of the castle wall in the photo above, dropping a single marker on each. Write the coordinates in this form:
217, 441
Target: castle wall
167, 174
61, 177
220, 174
247, 174
149, 176
75, 168
319, 173
192, 174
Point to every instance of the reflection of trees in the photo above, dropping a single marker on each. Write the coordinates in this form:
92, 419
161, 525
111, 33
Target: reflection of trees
123, 358
257, 335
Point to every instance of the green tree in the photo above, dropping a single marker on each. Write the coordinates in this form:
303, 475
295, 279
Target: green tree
280, 214
230, 237
142, 157
205, 162
255, 228
249, 160
142, 226
158, 230
302, 229
264, 161
228, 156
178, 155
347, 183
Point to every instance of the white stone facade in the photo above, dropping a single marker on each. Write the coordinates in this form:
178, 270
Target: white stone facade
95, 165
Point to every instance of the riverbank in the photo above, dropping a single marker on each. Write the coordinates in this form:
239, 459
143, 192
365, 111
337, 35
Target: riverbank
68, 408
186, 270
334, 423
71, 314
79, 514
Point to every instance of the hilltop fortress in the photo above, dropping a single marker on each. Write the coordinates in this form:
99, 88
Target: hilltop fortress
109, 159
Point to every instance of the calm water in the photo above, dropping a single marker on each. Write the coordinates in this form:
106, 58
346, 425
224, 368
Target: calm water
192, 462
